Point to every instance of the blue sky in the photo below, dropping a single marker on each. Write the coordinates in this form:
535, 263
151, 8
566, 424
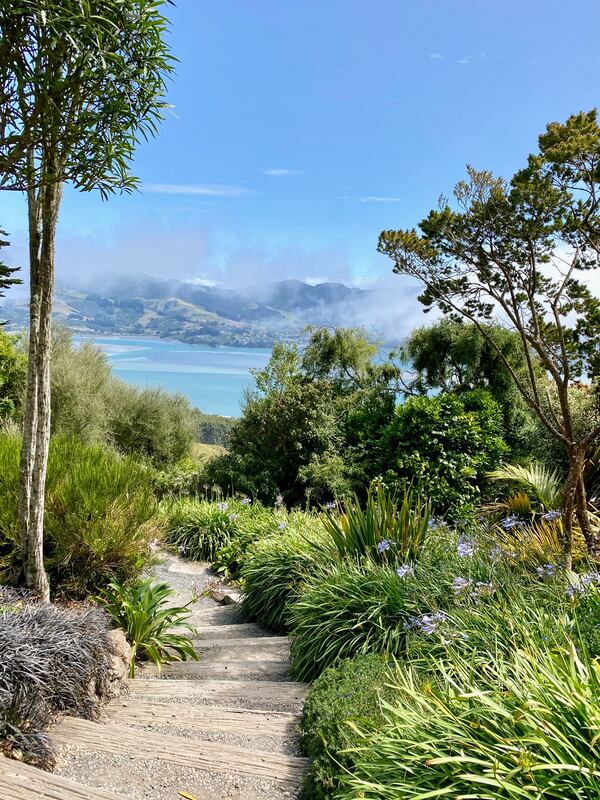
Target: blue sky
302, 128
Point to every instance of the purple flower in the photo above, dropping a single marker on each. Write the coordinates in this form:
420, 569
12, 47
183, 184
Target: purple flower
405, 571
330, 506
496, 553
547, 571
573, 591
383, 546
511, 522
222, 506
233, 517
282, 526
466, 547
434, 523
482, 588
552, 515
245, 501
182, 549
427, 623
460, 584
590, 577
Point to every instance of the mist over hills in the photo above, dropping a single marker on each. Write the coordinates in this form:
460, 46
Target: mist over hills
253, 316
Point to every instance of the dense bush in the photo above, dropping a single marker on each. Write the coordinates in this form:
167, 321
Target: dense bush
151, 423
13, 374
51, 660
90, 403
347, 694
445, 445
274, 569
524, 727
213, 428
100, 515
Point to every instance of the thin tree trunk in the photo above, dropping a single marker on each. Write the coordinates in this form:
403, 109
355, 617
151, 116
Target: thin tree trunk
583, 517
43, 216
573, 477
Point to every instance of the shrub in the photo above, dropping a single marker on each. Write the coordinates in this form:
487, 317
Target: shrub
525, 727
13, 375
141, 611
100, 515
381, 530
256, 523
49, 660
200, 528
446, 444
150, 423
347, 693
274, 570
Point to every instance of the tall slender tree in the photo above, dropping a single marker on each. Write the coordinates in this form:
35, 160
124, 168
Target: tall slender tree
519, 253
81, 82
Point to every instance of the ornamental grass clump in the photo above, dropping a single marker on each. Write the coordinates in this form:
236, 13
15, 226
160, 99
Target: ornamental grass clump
387, 528
201, 528
352, 608
51, 660
521, 727
275, 568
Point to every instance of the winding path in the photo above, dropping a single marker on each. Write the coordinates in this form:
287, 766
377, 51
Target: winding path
224, 727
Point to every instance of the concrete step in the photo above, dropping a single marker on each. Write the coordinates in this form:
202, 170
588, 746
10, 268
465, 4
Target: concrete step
249, 694
207, 669
243, 630
212, 757
20, 781
204, 718
265, 648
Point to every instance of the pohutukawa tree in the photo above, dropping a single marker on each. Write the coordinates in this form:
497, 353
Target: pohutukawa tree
519, 253
81, 83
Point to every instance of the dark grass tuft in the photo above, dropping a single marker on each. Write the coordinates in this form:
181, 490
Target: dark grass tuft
52, 660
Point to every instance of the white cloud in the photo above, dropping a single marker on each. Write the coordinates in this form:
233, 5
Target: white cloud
205, 190
281, 172
436, 56
465, 59
374, 198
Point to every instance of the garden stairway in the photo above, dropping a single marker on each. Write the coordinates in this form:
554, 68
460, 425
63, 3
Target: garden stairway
223, 727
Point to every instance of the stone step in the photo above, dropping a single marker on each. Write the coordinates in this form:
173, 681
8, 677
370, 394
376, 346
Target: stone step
207, 669
20, 781
252, 694
204, 718
265, 648
212, 757
243, 630
215, 615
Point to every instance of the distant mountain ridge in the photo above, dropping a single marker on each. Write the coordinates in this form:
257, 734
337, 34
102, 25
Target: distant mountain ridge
254, 316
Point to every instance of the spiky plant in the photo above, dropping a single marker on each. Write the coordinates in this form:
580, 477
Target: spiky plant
541, 482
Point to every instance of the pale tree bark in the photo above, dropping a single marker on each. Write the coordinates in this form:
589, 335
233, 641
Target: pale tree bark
43, 206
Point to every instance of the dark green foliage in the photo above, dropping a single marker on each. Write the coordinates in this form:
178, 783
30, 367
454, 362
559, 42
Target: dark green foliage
13, 375
49, 659
100, 515
445, 445
142, 611
6, 274
454, 356
213, 428
587, 615
347, 693
273, 572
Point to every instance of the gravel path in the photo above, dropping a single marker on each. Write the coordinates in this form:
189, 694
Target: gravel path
259, 762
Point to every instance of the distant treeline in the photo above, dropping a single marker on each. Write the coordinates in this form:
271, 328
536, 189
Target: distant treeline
213, 428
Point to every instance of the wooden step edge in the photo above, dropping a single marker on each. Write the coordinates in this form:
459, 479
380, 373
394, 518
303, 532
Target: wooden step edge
270, 690
20, 781
213, 757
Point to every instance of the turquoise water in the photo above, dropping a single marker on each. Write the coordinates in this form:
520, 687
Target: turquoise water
212, 378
